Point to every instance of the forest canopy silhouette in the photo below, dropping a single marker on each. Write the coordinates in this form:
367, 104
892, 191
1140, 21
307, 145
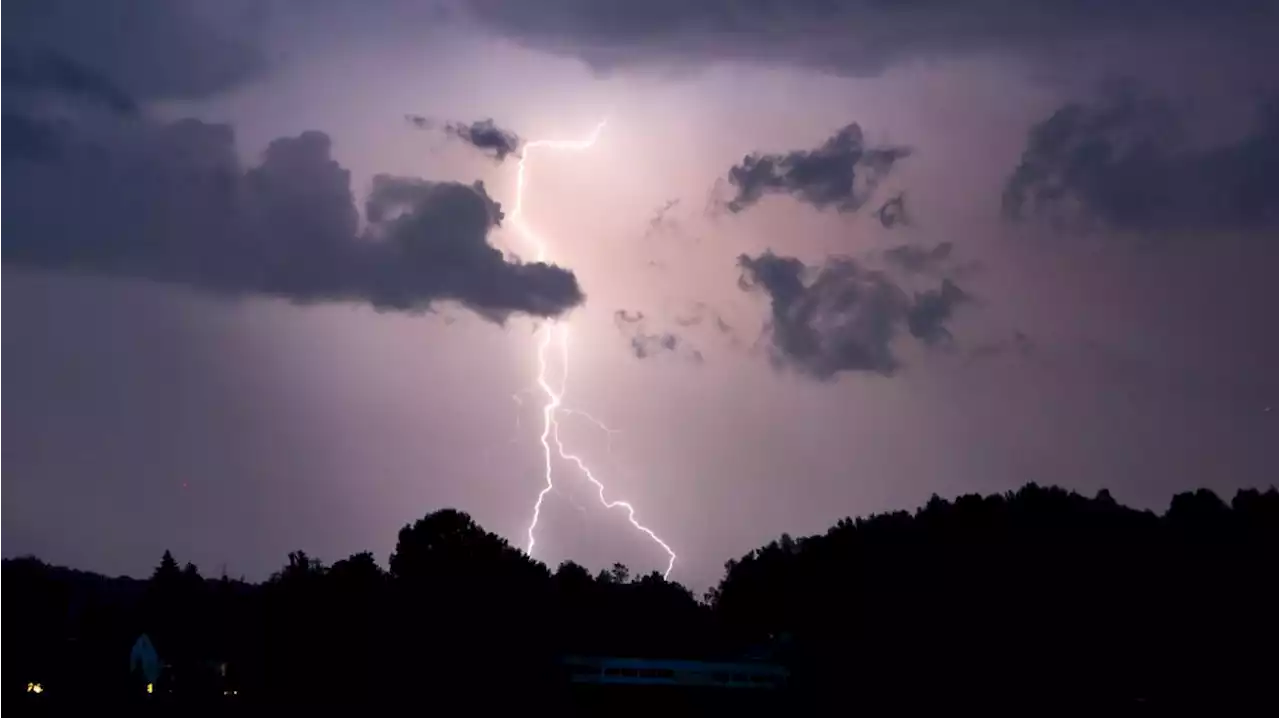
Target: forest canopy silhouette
1036, 592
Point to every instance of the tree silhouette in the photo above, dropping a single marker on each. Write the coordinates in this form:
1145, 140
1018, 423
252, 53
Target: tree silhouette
1027, 598
472, 596
619, 574
167, 570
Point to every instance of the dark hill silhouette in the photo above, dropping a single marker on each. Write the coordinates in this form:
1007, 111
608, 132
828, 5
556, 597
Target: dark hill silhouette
1035, 599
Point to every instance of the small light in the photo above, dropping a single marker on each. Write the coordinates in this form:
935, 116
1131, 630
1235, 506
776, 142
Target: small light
35, 688
150, 688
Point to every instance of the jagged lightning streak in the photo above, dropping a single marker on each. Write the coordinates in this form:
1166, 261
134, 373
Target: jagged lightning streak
557, 332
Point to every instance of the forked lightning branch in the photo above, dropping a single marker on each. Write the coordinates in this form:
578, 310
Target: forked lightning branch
555, 333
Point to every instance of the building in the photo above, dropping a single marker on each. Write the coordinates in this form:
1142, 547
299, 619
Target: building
640, 685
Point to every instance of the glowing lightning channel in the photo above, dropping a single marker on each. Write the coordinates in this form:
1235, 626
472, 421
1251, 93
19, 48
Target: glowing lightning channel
559, 333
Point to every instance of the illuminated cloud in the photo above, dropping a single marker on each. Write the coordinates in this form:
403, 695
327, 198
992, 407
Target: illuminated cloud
145, 49
893, 211
661, 221
843, 172
915, 259
1123, 162
484, 135
859, 37
842, 316
931, 310
171, 203
699, 313
646, 344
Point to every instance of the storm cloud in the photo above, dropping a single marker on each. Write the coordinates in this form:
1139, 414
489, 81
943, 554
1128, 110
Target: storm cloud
645, 344
38, 74
1124, 162
145, 49
861, 37
842, 172
931, 310
915, 259
662, 221
842, 316
484, 135
27, 137
893, 211
171, 203
698, 313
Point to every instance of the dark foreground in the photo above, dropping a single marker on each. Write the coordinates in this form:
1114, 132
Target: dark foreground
1030, 602
653, 703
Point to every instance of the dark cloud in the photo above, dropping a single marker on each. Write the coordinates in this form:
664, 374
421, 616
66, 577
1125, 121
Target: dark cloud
1018, 344
842, 316
915, 259
437, 232
699, 314
44, 73
486, 136
420, 122
25, 137
931, 310
148, 49
861, 37
171, 203
1124, 163
843, 320
624, 317
842, 172
893, 211
702, 313
646, 344
662, 221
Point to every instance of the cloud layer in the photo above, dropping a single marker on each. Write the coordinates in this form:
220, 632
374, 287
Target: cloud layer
149, 49
170, 202
858, 37
893, 211
843, 172
842, 316
483, 135
1122, 162
646, 344
42, 73
915, 259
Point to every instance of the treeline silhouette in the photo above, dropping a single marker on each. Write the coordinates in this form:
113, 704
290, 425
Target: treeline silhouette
1035, 598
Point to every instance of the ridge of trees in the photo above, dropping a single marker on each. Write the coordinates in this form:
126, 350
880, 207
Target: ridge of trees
1034, 592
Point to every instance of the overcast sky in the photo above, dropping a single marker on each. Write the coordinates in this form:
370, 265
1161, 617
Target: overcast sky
263, 291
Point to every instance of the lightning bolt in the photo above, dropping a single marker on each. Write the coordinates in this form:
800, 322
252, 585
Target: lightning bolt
557, 333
